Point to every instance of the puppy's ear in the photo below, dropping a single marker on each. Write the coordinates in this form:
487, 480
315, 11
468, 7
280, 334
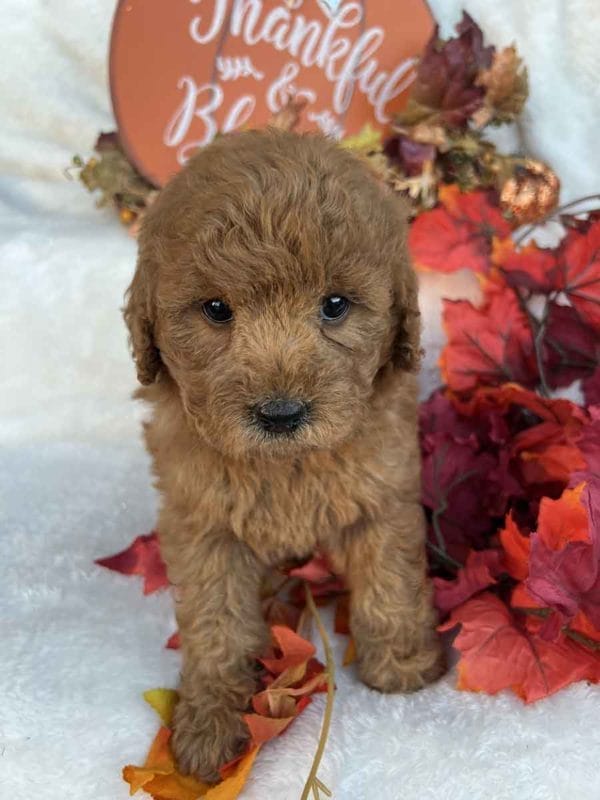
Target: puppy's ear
406, 348
139, 314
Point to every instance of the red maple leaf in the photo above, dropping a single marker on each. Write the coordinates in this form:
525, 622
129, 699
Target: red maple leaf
458, 234
530, 267
579, 266
480, 571
456, 488
497, 653
571, 348
142, 557
489, 345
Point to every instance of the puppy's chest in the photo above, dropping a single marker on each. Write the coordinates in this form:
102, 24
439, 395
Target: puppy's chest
284, 510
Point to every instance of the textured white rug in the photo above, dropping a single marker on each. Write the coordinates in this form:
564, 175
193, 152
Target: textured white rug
78, 644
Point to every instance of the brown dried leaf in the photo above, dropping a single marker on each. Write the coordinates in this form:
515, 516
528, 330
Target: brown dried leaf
506, 88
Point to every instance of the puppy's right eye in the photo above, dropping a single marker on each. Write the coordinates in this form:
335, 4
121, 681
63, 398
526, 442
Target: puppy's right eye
217, 311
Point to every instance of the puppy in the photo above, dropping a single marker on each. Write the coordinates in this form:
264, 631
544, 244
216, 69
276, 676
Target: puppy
274, 324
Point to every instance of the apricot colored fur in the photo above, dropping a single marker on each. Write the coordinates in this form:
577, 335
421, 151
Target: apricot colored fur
273, 222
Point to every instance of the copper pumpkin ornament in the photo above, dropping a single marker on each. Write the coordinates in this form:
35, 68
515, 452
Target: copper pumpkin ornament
531, 193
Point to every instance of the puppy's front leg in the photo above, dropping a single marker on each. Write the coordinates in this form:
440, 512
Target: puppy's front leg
392, 616
217, 580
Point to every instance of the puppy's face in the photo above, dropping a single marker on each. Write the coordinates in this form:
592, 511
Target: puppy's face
274, 288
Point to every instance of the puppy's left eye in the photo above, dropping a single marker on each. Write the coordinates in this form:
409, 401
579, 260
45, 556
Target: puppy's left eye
334, 307
217, 311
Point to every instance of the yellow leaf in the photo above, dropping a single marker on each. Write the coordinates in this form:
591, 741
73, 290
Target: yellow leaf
163, 701
367, 140
230, 788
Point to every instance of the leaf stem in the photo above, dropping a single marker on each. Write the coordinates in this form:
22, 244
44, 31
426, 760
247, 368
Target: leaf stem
313, 783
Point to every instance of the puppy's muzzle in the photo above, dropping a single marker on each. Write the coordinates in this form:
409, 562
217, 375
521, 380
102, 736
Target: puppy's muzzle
281, 416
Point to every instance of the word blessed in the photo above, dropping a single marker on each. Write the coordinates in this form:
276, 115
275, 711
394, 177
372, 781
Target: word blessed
347, 63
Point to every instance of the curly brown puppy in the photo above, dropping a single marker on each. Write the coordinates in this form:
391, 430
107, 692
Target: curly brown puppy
274, 323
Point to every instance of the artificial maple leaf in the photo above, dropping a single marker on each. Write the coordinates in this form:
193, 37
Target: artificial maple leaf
571, 349
506, 88
542, 438
548, 452
142, 557
480, 571
551, 463
564, 565
455, 488
579, 267
489, 345
444, 90
516, 549
159, 777
458, 234
263, 729
529, 267
497, 654
443, 412
289, 649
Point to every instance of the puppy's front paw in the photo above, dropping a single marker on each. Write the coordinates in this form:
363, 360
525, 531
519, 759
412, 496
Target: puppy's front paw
383, 669
204, 738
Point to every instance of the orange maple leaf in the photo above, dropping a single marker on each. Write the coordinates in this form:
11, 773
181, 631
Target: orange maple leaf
516, 548
159, 775
564, 520
293, 648
497, 654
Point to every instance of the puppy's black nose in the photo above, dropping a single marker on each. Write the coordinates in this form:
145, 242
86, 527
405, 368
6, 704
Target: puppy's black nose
281, 416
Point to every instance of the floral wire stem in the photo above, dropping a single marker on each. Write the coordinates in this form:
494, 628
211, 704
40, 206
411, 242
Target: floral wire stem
313, 783
529, 229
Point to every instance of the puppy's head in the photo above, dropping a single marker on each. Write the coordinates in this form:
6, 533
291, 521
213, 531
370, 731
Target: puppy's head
273, 286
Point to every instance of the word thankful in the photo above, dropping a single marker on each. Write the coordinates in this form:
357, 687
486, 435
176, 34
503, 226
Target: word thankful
337, 42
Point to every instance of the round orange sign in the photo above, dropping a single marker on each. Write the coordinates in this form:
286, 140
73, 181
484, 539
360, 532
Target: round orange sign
183, 70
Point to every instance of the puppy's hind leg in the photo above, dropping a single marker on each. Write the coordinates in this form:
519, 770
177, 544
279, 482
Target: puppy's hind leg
222, 632
392, 617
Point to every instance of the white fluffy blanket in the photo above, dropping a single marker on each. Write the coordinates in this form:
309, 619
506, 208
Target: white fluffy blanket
79, 644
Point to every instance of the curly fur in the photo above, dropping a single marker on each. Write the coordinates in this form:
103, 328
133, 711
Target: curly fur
272, 222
